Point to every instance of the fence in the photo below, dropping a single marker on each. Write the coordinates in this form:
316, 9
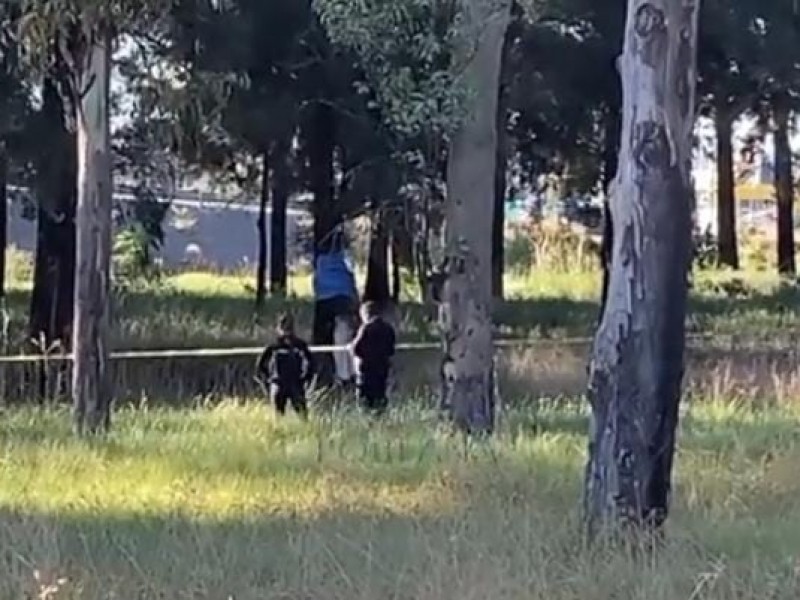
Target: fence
526, 369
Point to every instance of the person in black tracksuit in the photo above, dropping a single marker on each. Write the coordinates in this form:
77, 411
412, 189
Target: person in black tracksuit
374, 347
285, 368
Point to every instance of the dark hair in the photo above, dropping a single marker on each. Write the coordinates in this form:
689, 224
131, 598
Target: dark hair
286, 323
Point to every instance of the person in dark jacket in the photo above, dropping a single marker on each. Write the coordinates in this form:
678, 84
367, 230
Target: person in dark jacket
285, 368
373, 348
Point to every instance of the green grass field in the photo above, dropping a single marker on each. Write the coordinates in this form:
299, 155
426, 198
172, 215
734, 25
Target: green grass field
213, 310
229, 503
225, 502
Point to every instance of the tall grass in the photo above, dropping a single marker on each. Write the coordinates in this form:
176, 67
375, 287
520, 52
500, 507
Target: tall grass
231, 503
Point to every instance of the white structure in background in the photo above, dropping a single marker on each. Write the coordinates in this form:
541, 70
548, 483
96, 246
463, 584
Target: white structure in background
211, 232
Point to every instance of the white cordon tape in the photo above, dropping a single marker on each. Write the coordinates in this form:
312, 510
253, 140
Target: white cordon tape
255, 351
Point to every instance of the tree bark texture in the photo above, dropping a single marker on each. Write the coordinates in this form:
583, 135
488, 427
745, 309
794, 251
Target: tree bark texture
726, 196
91, 385
51, 304
784, 187
281, 186
263, 240
465, 310
638, 355
376, 286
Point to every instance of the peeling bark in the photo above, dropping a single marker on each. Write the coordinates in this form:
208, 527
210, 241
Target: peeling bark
91, 384
784, 187
638, 354
465, 311
726, 198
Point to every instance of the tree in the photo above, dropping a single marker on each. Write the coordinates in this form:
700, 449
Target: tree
282, 164
638, 356
466, 317
51, 303
784, 184
14, 113
81, 35
727, 87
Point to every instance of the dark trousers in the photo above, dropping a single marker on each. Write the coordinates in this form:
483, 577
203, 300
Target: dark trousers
372, 388
282, 397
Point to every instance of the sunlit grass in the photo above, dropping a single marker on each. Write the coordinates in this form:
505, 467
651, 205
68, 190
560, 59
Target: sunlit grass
228, 502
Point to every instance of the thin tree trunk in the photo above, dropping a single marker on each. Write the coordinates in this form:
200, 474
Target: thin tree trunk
397, 275
321, 145
376, 286
263, 240
278, 271
91, 385
784, 188
501, 166
3, 220
638, 355
610, 163
50, 318
726, 200
465, 312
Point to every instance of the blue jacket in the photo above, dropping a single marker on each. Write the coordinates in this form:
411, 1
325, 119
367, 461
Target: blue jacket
333, 277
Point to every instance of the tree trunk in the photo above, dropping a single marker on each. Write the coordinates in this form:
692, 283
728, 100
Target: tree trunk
261, 224
610, 163
321, 148
50, 322
91, 385
501, 166
278, 271
320, 140
376, 286
726, 200
638, 356
3, 220
465, 312
397, 274
784, 188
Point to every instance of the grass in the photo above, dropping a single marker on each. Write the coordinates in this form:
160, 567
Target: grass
227, 502
214, 310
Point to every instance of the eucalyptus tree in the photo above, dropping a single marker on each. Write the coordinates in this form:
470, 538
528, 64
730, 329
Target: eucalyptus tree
79, 34
638, 355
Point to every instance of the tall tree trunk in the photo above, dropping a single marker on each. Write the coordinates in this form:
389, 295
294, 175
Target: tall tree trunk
397, 274
465, 312
726, 199
501, 166
610, 163
321, 141
278, 271
263, 240
784, 187
638, 355
376, 286
91, 385
3, 220
50, 318
321, 144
